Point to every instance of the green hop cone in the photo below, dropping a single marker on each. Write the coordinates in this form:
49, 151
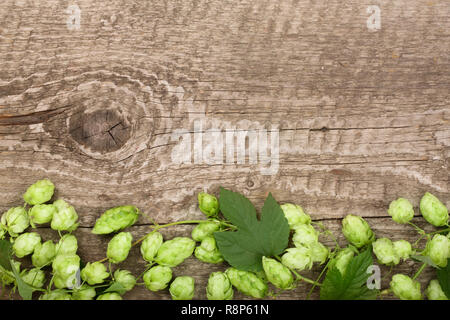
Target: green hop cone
85, 292
26, 243
109, 296
119, 247
33, 277
208, 204
298, 258
342, 259
94, 273
43, 254
384, 250
67, 245
65, 270
319, 253
208, 252
438, 249
357, 231
41, 213
182, 288
305, 234
175, 251
15, 220
65, 217
401, 210
277, 274
39, 192
125, 278
204, 229
295, 215
247, 282
403, 249
219, 287
157, 278
433, 210
434, 291
405, 288
57, 294
116, 219
150, 245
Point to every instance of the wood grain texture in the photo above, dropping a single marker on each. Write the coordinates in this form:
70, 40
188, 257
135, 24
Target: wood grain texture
363, 117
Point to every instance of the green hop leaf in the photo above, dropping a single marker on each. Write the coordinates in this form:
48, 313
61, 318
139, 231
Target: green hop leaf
443, 276
405, 288
204, 229
39, 192
94, 273
277, 274
208, 251
150, 245
219, 287
25, 290
109, 296
119, 247
26, 243
65, 217
175, 251
157, 278
182, 288
244, 249
353, 284
357, 231
295, 215
208, 204
116, 219
43, 254
247, 282
401, 210
433, 210
434, 291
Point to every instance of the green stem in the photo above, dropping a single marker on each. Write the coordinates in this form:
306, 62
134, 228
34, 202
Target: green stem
302, 278
318, 278
439, 231
422, 267
418, 229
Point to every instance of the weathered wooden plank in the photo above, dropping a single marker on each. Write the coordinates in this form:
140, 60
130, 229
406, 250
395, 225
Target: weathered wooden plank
362, 114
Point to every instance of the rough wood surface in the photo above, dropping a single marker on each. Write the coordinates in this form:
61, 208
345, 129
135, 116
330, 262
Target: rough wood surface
363, 116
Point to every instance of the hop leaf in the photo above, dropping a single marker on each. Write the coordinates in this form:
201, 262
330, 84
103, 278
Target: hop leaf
244, 249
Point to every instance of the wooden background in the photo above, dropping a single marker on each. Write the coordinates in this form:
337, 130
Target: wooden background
363, 115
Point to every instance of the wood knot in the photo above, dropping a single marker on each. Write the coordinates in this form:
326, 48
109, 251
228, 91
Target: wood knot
101, 130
